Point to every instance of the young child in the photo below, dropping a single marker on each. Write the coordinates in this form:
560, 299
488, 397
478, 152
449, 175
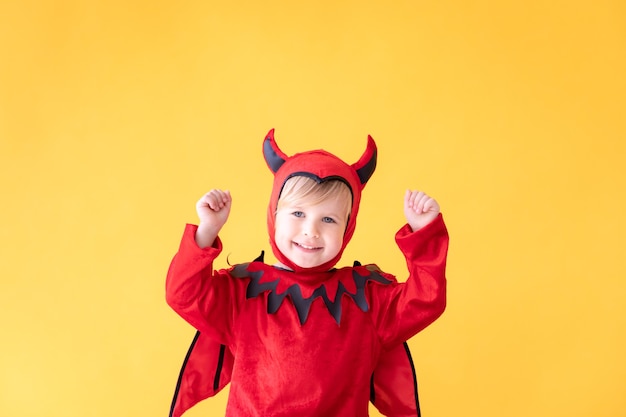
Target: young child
302, 338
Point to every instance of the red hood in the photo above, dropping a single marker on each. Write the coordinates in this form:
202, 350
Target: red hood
321, 166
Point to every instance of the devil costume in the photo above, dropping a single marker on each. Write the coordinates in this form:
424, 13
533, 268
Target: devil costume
305, 342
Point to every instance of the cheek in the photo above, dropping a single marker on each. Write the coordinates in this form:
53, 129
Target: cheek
278, 234
281, 241
337, 239
282, 230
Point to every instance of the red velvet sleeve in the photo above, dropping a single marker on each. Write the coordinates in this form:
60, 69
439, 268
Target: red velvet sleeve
203, 297
402, 310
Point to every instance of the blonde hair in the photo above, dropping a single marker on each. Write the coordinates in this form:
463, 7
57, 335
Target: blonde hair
306, 191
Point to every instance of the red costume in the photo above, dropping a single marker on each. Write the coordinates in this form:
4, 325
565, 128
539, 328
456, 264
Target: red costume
307, 342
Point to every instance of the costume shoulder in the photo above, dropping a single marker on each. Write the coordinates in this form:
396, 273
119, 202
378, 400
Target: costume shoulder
374, 269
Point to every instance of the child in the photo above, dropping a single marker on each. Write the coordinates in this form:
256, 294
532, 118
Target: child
302, 338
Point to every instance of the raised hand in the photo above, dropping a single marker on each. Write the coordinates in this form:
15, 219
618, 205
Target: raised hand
419, 209
213, 209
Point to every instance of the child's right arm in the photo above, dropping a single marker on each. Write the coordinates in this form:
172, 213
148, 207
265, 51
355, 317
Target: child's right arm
213, 210
199, 294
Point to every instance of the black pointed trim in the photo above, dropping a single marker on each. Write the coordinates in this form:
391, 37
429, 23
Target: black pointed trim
261, 257
182, 371
301, 304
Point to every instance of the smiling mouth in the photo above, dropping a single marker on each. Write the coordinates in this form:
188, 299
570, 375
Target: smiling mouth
306, 247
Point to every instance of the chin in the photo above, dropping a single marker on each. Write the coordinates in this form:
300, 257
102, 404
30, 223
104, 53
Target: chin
307, 264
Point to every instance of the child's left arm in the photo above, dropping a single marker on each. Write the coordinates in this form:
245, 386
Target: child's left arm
401, 311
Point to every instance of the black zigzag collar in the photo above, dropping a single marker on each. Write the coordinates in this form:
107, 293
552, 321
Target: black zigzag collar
257, 285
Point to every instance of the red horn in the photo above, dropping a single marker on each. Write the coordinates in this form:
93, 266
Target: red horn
366, 165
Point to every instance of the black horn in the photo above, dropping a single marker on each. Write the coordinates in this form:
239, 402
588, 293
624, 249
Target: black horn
274, 157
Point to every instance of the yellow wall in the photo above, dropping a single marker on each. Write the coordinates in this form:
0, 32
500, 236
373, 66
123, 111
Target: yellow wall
116, 116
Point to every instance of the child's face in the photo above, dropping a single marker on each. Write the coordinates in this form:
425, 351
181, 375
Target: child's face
310, 235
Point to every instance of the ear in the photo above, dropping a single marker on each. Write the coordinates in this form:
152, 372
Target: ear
274, 157
366, 165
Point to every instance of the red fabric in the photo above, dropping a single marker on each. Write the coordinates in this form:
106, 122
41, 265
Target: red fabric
394, 384
272, 352
313, 352
197, 380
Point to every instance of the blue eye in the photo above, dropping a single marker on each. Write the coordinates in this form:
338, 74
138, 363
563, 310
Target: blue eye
328, 220
298, 214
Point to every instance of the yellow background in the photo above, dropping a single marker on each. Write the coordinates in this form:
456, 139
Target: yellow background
115, 116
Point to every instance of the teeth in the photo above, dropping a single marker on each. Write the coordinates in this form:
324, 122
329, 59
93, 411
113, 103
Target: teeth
307, 247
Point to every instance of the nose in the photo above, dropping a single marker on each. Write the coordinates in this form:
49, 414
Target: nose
310, 230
